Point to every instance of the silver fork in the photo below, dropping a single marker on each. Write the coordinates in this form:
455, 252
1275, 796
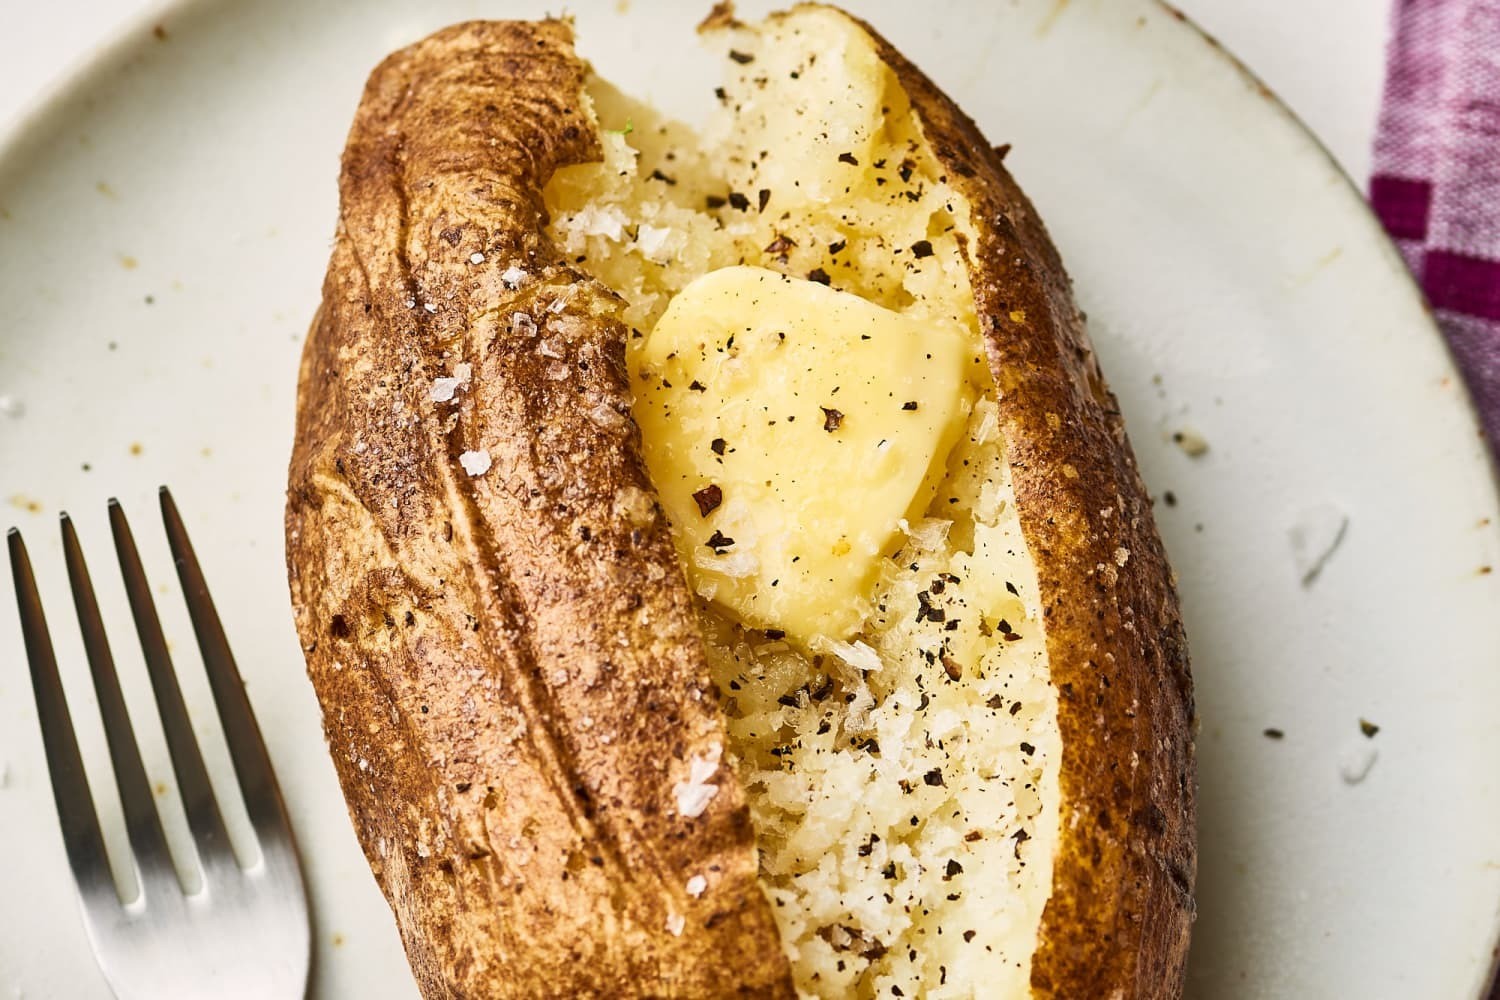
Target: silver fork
233, 932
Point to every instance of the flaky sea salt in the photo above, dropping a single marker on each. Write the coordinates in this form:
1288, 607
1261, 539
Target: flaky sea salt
443, 389
636, 506
694, 795
928, 534
605, 220
475, 463
697, 886
735, 565
675, 924
986, 422
856, 654
513, 276
651, 239
476, 258
606, 416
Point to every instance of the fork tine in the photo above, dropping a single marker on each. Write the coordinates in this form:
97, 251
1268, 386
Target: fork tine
192, 779
152, 857
70, 785
247, 748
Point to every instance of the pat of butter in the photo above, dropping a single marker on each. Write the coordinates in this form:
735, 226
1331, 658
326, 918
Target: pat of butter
788, 428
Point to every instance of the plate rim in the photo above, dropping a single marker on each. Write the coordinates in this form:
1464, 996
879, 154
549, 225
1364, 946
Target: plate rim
81, 71
1391, 254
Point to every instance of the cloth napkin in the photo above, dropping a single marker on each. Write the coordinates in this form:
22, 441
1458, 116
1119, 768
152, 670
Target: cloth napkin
1436, 183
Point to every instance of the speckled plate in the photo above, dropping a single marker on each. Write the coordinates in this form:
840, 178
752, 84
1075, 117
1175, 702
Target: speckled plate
164, 222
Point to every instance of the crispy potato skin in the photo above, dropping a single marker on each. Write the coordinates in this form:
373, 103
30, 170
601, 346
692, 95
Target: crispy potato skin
510, 674
1117, 924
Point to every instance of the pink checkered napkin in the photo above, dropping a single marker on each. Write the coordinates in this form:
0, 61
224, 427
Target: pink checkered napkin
1437, 174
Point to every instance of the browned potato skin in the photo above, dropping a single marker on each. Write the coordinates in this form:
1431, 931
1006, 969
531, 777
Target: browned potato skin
521, 823
415, 584
1117, 924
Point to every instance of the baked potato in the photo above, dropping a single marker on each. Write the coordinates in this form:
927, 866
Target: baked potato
718, 555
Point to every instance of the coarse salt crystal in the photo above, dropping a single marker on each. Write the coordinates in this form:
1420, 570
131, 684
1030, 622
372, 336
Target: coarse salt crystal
513, 276
636, 506
476, 258
607, 221
693, 799
606, 416
551, 347
523, 324
735, 565
856, 654
694, 795
475, 463
987, 422
697, 886
675, 924
443, 389
430, 306
651, 239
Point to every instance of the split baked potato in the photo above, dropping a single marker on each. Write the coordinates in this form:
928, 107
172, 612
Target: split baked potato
718, 556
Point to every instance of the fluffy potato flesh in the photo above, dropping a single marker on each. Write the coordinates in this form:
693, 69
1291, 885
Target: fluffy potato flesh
890, 710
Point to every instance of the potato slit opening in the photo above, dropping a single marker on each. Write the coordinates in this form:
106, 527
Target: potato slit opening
902, 780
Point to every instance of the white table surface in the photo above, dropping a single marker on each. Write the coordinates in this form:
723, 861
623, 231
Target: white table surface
1324, 57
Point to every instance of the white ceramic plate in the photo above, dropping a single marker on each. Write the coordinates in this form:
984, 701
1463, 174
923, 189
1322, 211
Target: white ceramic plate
164, 221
